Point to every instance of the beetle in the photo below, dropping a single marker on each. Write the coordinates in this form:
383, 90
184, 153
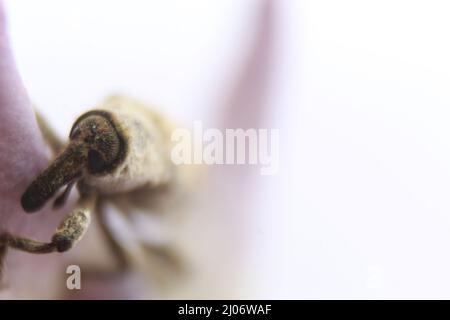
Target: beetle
119, 149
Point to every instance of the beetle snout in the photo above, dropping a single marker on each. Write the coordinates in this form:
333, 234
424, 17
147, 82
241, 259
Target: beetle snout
66, 168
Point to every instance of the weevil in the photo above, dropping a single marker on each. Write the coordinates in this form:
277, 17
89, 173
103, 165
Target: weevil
120, 148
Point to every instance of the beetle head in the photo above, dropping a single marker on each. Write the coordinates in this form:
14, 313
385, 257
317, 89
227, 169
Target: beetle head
95, 148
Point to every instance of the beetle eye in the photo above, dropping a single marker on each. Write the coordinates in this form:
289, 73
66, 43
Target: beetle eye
96, 163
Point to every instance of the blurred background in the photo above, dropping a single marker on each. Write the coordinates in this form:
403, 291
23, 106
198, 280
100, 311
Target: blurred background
227, 63
359, 91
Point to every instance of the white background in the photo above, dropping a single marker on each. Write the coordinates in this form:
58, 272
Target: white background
360, 207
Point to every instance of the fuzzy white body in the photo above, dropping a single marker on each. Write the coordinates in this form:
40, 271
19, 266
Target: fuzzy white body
147, 161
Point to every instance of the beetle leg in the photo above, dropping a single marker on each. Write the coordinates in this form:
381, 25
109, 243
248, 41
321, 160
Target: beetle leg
115, 247
158, 257
75, 225
69, 232
52, 139
167, 255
